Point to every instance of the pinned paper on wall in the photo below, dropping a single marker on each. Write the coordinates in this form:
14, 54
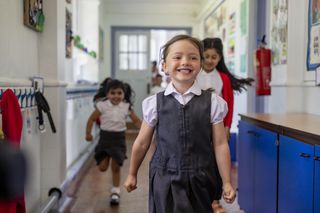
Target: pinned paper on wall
33, 16
318, 76
279, 32
313, 54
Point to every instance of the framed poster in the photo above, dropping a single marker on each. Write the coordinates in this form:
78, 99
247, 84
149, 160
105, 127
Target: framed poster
33, 16
68, 34
313, 53
279, 31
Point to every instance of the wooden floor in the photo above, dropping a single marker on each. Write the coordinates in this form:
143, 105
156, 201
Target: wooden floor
91, 192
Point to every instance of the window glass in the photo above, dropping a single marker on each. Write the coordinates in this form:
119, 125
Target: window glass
133, 65
142, 43
142, 61
123, 43
133, 43
123, 61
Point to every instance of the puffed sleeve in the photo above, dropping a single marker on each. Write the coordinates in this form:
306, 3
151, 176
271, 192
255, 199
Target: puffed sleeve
149, 110
219, 109
100, 106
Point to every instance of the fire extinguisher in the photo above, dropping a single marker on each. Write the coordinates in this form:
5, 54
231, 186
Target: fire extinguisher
263, 69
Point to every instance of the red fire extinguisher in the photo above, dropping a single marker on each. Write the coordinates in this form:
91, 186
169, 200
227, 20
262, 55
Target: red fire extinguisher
263, 69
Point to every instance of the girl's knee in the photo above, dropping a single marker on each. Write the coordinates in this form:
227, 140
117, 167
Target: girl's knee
103, 168
103, 165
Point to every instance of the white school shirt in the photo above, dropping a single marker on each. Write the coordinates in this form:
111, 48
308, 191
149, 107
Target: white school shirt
113, 117
156, 89
219, 107
211, 80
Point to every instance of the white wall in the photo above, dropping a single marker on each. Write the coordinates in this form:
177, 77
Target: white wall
26, 53
19, 44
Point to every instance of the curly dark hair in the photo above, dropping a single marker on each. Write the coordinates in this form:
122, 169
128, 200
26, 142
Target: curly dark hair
102, 90
109, 84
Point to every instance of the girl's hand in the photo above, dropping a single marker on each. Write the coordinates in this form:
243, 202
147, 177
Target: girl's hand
89, 137
228, 193
131, 183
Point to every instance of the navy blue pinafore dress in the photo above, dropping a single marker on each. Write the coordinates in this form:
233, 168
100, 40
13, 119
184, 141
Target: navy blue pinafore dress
183, 174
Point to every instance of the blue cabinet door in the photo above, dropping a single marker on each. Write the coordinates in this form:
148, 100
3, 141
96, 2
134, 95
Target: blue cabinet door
245, 168
265, 171
295, 176
317, 179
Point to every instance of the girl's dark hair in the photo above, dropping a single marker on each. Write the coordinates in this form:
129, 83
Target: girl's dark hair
165, 48
128, 94
238, 84
101, 94
109, 84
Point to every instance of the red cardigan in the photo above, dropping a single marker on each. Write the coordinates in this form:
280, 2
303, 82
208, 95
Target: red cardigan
227, 95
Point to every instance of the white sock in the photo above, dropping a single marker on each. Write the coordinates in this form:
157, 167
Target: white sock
115, 190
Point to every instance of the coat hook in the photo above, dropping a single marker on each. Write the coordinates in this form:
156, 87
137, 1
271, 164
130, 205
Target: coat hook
32, 96
27, 97
23, 95
1, 92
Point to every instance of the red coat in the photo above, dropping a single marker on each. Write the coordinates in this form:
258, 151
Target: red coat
227, 95
12, 129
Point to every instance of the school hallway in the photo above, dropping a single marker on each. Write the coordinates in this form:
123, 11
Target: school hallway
61, 50
92, 191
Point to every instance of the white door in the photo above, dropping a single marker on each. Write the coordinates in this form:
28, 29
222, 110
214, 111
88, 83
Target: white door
132, 63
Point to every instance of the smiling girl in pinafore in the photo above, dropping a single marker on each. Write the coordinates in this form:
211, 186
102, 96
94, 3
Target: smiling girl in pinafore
192, 147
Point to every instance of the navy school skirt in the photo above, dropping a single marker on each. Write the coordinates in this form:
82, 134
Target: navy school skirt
111, 144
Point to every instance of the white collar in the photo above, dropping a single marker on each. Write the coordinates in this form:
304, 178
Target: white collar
194, 89
112, 105
208, 73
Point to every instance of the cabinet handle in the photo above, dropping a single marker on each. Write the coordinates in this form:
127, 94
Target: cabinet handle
254, 133
304, 155
317, 158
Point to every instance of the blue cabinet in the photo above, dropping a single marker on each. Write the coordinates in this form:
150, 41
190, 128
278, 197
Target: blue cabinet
317, 179
265, 171
279, 163
257, 176
295, 176
245, 169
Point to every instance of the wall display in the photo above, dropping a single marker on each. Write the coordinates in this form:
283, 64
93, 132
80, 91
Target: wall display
213, 26
244, 17
68, 34
222, 23
33, 16
313, 54
279, 31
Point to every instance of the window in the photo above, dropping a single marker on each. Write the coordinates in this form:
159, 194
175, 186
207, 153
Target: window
133, 52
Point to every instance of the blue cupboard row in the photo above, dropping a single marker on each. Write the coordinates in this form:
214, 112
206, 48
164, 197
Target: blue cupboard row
277, 172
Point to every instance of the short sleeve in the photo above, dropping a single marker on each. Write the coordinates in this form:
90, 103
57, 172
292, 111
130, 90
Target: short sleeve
219, 109
99, 106
149, 110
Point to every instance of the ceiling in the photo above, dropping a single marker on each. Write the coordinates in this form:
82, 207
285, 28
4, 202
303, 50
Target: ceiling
154, 6
157, 1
